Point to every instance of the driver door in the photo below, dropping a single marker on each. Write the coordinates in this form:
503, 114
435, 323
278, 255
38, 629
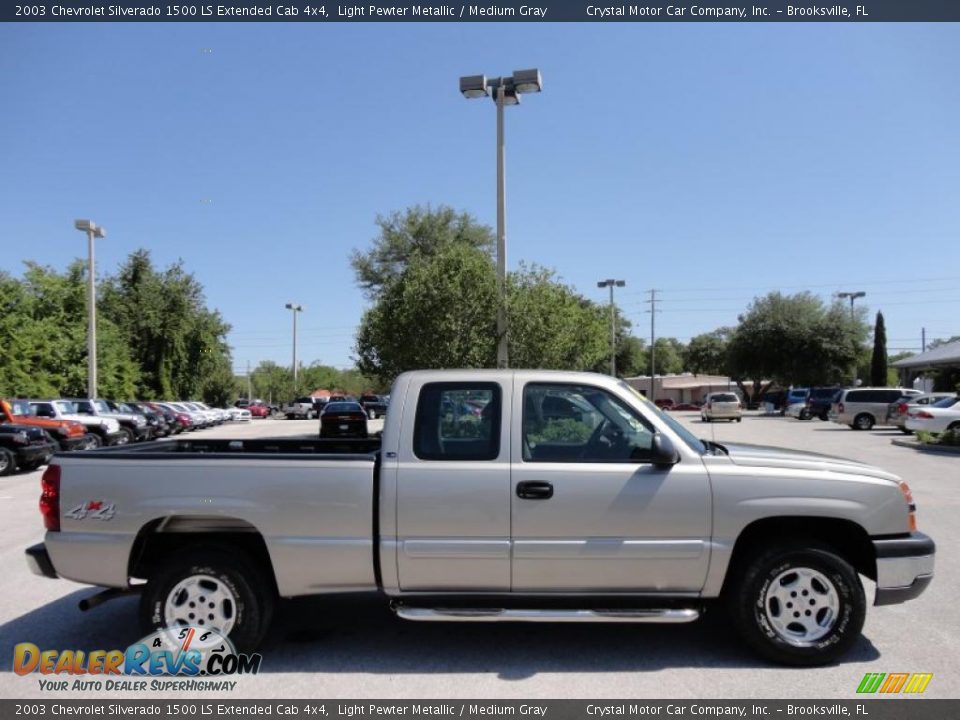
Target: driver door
590, 512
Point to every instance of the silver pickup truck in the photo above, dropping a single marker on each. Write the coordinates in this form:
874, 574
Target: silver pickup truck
495, 495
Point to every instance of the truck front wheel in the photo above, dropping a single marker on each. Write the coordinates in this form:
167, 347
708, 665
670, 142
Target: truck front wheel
209, 589
798, 605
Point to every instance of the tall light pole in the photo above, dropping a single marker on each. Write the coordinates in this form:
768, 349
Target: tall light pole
853, 297
93, 231
296, 309
504, 91
611, 283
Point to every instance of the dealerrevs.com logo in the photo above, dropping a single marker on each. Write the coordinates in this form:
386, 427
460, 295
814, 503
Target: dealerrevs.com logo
892, 683
200, 659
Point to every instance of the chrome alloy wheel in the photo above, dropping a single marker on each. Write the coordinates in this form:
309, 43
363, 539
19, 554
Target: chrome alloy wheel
801, 605
201, 601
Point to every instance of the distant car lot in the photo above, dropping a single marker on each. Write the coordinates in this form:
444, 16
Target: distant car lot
352, 647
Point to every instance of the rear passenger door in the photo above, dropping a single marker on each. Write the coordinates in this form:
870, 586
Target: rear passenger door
453, 488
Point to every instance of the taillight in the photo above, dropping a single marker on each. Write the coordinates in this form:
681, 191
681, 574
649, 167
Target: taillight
911, 507
839, 407
901, 408
924, 414
50, 498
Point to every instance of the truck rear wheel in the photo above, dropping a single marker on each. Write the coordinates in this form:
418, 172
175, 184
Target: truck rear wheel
211, 589
799, 605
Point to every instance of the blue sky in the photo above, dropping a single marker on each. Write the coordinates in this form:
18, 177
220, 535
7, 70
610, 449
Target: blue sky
714, 162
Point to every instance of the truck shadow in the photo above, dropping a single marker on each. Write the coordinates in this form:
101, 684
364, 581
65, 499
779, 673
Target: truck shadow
359, 634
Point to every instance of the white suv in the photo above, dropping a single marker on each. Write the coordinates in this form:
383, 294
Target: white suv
862, 408
721, 406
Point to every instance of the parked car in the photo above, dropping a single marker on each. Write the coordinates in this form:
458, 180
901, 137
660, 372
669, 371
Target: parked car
156, 422
939, 417
239, 414
685, 406
721, 406
258, 410
100, 430
173, 426
69, 435
343, 419
497, 520
24, 447
794, 396
818, 403
301, 408
898, 410
664, 403
375, 406
134, 425
198, 420
863, 408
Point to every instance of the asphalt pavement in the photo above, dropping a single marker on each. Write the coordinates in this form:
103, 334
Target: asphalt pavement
353, 647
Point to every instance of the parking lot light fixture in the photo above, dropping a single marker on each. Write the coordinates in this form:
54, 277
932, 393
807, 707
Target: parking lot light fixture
93, 231
853, 297
296, 309
611, 283
504, 91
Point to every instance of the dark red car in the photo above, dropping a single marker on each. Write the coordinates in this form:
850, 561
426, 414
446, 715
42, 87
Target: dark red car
343, 419
258, 410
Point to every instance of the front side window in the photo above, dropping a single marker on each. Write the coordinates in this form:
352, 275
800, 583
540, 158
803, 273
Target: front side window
579, 423
458, 421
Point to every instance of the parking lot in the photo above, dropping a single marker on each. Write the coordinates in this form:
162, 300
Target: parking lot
352, 647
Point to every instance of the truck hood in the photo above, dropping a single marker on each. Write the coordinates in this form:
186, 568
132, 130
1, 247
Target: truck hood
90, 421
774, 457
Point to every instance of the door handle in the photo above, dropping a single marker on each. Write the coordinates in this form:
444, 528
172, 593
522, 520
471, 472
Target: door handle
534, 490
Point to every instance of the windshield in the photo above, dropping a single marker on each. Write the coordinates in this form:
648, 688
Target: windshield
688, 437
20, 408
66, 407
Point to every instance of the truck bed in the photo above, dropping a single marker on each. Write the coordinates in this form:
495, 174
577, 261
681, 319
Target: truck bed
358, 448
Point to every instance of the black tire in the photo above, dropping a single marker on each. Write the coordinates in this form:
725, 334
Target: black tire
93, 441
739, 419
954, 426
824, 416
253, 594
129, 436
863, 421
754, 620
804, 414
8, 462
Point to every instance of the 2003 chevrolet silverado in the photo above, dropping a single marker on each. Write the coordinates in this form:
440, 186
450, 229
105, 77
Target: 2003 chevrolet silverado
494, 496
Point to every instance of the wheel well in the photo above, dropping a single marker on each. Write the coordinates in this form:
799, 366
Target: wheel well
161, 539
845, 537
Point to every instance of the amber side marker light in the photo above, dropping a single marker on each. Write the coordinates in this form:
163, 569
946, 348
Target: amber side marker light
911, 507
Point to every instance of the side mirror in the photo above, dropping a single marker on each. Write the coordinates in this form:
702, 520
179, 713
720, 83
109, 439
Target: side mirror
663, 452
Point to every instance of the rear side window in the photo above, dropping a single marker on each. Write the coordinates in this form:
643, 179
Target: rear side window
458, 421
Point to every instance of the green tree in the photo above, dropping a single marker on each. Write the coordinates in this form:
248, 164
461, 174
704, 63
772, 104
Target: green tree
418, 233
43, 332
707, 353
178, 343
631, 356
878, 361
551, 326
440, 312
669, 356
794, 339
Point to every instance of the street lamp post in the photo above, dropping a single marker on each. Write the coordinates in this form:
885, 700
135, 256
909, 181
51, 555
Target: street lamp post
853, 297
504, 91
93, 231
296, 309
611, 283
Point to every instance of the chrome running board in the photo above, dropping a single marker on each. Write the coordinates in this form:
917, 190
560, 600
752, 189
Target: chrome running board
679, 615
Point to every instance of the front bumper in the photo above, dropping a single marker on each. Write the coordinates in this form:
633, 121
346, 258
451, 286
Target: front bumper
143, 433
904, 567
32, 453
68, 444
38, 560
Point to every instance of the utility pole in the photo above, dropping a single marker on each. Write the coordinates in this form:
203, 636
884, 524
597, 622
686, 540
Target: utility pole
296, 309
611, 283
249, 384
653, 342
923, 339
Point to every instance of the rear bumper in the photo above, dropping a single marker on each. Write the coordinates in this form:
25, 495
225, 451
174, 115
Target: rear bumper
904, 567
38, 560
